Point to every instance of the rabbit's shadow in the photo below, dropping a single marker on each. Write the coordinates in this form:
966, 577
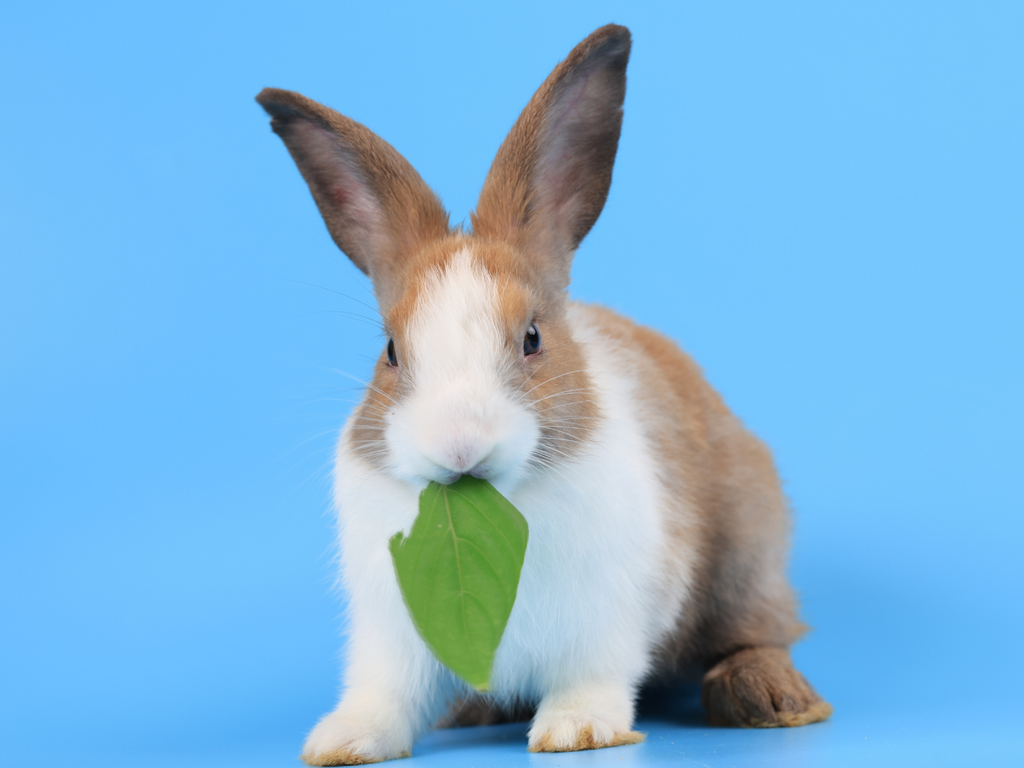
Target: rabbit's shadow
677, 704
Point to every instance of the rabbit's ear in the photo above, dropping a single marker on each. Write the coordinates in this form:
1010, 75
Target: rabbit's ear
551, 176
376, 207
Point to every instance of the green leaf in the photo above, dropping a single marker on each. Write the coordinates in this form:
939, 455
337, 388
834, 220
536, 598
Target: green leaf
459, 571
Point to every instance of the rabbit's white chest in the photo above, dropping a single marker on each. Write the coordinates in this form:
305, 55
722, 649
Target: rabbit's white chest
592, 583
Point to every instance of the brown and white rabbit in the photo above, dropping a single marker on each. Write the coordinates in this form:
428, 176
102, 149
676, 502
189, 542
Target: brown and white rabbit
658, 530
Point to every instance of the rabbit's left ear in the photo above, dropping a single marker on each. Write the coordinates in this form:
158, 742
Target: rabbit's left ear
551, 176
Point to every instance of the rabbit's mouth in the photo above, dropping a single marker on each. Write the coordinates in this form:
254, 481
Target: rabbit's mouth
467, 457
481, 471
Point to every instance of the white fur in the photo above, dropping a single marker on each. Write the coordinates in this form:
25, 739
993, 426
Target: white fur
594, 596
604, 708
460, 417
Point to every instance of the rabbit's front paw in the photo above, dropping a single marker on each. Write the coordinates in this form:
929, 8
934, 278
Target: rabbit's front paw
588, 718
346, 738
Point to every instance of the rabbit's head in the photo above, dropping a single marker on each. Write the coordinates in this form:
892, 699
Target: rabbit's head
480, 374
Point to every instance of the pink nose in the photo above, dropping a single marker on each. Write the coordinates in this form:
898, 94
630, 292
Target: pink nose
467, 460
464, 457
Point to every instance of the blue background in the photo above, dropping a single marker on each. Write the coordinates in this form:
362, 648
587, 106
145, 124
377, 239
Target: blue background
825, 205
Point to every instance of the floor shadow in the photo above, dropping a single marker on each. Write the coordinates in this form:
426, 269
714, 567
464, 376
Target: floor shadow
678, 704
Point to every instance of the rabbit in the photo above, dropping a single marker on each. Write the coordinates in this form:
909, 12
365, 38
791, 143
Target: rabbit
658, 529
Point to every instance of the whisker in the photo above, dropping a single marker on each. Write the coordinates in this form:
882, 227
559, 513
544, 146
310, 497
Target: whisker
568, 373
311, 438
374, 407
339, 293
566, 425
556, 469
342, 266
368, 420
564, 392
562, 405
361, 318
371, 413
365, 384
532, 375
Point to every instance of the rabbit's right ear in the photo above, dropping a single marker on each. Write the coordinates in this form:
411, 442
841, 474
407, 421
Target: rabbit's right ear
551, 176
376, 207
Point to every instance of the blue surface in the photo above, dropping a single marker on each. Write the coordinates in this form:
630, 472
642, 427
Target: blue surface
824, 204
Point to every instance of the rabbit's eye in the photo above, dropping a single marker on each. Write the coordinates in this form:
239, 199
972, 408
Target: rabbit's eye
531, 344
392, 357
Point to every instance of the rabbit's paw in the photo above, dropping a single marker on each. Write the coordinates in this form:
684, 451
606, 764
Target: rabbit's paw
760, 688
585, 719
344, 738
571, 732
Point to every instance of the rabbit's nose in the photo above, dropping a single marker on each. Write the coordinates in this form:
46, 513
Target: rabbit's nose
446, 474
469, 459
